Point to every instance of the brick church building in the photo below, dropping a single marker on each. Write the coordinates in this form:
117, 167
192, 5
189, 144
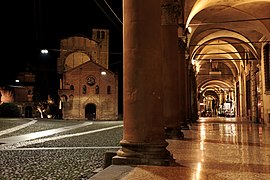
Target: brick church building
88, 89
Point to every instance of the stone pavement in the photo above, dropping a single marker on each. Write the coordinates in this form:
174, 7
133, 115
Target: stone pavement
39, 134
65, 150
214, 149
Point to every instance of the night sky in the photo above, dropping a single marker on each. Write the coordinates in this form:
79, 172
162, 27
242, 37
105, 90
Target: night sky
28, 26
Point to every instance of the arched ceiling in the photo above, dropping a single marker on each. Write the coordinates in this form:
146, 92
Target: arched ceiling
217, 86
226, 32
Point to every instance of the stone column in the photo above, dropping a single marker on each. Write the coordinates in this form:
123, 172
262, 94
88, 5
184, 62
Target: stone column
189, 92
240, 113
244, 88
187, 87
254, 94
143, 137
171, 106
182, 84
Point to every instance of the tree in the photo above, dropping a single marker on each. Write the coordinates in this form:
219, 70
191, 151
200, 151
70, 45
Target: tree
9, 110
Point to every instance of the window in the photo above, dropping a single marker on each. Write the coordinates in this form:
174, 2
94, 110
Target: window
84, 89
97, 89
266, 52
71, 87
108, 89
102, 35
214, 66
98, 34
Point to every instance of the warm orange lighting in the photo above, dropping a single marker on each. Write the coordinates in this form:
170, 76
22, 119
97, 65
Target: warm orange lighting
189, 30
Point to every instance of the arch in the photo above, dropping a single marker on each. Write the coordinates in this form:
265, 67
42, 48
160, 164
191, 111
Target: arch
214, 46
75, 59
228, 34
217, 83
202, 5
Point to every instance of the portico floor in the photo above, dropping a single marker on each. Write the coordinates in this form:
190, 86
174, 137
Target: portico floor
214, 148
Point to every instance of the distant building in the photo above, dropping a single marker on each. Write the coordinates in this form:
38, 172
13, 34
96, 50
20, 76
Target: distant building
21, 93
88, 89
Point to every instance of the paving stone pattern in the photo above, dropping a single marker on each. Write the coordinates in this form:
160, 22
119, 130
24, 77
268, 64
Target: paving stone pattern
75, 158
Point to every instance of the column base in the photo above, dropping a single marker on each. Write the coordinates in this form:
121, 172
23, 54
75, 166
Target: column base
143, 154
173, 133
108, 158
184, 126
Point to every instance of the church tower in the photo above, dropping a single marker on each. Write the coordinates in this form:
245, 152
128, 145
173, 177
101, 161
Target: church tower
102, 37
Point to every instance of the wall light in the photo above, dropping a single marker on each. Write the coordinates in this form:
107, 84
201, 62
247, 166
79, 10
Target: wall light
189, 30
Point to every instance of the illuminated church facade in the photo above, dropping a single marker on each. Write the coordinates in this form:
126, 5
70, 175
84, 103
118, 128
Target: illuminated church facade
88, 89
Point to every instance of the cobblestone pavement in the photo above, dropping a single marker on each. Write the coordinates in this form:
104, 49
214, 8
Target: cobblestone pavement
77, 153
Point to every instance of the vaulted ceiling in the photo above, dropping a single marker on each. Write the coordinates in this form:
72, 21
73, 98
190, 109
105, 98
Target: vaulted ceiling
225, 33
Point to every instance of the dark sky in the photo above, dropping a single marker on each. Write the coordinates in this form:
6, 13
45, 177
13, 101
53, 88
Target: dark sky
28, 26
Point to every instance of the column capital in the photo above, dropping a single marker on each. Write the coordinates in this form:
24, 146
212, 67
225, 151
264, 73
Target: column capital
170, 13
182, 43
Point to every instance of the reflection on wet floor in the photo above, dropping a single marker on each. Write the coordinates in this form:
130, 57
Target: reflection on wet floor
213, 149
231, 132
224, 148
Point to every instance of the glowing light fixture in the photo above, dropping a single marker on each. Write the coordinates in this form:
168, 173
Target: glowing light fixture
189, 30
44, 51
193, 61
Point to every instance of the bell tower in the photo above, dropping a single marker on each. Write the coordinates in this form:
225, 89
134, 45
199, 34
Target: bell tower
102, 37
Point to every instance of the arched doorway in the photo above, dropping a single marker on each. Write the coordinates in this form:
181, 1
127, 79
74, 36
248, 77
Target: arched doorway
28, 112
90, 111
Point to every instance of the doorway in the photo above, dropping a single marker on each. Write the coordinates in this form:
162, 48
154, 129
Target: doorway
28, 112
90, 111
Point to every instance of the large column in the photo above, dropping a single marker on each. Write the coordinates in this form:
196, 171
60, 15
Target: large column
182, 84
143, 137
244, 88
240, 95
254, 94
189, 91
171, 106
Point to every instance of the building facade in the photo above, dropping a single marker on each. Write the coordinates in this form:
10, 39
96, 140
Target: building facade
21, 93
88, 89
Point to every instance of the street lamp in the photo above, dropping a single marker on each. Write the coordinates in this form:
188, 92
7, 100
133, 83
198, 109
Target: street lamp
44, 51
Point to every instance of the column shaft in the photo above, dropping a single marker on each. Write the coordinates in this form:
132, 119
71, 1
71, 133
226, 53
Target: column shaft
182, 83
171, 106
143, 137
